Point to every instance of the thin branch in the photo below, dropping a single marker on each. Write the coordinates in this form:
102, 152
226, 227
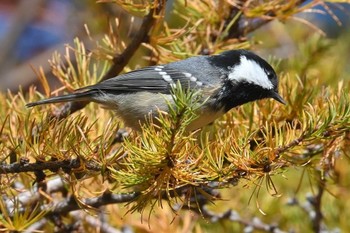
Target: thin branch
313, 207
292, 144
247, 25
69, 204
48, 165
106, 198
242, 25
316, 202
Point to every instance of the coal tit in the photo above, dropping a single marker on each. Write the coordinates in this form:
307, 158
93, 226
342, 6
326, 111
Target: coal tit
226, 80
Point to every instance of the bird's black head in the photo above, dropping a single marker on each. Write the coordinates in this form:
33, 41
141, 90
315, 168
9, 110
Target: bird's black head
248, 77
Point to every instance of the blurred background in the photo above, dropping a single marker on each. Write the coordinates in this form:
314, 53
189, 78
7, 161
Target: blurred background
30, 31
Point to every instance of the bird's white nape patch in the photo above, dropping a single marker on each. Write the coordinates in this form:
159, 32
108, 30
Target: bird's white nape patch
251, 72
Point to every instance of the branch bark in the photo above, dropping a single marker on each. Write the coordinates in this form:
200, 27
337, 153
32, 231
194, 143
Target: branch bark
47, 165
106, 198
317, 204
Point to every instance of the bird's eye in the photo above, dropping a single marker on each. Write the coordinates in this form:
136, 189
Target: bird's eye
270, 75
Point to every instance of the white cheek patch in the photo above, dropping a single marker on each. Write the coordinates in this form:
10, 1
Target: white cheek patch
251, 72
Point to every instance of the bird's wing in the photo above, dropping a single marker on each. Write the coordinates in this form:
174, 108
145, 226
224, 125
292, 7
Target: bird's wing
152, 79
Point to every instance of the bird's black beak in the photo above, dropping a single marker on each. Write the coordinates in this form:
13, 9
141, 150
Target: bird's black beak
277, 97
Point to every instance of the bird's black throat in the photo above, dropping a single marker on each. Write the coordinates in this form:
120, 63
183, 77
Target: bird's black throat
239, 93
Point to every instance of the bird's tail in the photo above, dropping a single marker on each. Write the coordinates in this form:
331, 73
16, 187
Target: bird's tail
74, 97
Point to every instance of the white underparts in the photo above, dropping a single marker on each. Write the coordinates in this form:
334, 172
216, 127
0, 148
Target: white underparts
251, 72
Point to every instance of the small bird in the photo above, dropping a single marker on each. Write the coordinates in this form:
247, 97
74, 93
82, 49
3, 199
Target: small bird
226, 80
